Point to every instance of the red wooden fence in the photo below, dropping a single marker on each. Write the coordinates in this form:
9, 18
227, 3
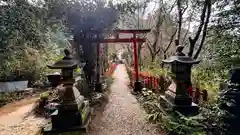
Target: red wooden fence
159, 84
111, 69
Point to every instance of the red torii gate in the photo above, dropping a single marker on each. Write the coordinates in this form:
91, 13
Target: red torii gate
134, 40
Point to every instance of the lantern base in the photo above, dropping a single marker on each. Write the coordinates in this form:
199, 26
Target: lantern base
137, 86
178, 99
98, 87
71, 116
50, 130
68, 122
170, 106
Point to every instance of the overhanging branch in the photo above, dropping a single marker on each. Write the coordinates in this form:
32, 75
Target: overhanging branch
204, 30
202, 18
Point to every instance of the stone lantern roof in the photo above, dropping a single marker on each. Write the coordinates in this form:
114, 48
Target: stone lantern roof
181, 59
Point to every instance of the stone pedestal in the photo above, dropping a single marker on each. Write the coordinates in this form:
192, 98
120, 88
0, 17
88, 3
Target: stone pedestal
170, 104
70, 116
170, 101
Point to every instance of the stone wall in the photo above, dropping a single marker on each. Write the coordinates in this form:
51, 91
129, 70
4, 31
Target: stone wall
13, 86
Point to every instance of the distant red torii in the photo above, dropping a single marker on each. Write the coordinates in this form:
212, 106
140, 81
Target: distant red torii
134, 40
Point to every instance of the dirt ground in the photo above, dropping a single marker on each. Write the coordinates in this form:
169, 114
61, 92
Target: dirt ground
16, 118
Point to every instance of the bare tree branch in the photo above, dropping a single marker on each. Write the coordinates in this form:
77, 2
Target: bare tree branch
165, 12
161, 17
202, 21
158, 50
171, 8
170, 42
189, 23
185, 35
179, 7
149, 47
153, 10
204, 29
193, 41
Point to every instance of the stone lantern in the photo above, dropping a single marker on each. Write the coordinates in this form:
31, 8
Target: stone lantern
73, 113
177, 96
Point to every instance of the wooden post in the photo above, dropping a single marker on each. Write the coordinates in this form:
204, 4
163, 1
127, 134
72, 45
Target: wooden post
196, 97
204, 95
98, 86
137, 84
148, 82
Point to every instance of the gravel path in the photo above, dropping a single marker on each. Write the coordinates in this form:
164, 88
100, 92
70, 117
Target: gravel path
122, 115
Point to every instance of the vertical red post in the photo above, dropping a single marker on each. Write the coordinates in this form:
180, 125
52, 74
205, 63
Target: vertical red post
135, 57
148, 81
137, 85
151, 82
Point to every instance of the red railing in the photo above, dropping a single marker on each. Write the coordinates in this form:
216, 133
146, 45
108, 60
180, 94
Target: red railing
160, 84
155, 83
111, 69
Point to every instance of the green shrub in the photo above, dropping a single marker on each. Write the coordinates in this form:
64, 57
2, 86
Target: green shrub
208, 122
28, 64
28, 42
156, 71
208, 79
44, 96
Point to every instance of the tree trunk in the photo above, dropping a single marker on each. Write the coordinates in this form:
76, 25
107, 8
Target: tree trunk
153, 56
165, 57
179, 20
204, 30
202, 18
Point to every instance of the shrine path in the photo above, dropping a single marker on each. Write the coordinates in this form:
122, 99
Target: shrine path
122, 115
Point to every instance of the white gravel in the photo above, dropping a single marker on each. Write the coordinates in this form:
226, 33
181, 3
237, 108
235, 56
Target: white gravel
122, 115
